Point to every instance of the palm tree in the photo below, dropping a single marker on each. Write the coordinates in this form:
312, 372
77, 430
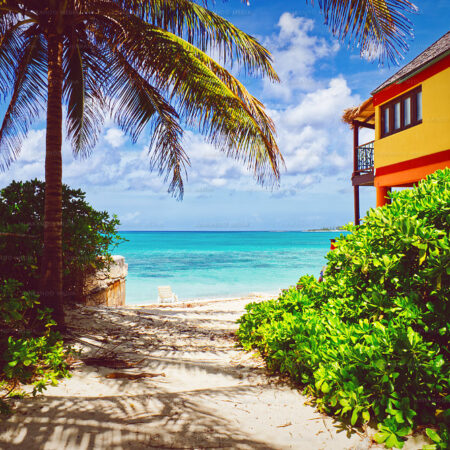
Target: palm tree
145, 63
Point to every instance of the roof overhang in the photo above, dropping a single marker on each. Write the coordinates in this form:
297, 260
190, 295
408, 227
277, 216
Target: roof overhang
364, 114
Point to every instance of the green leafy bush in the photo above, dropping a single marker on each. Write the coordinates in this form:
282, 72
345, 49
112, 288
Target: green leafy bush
26, 357
371, 341
87, 234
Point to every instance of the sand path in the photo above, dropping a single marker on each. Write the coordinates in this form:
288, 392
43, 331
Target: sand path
213, 395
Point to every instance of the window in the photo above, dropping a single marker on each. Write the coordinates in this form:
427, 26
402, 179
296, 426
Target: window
419, 105
397, 115
403, 112
386, 121
407, 111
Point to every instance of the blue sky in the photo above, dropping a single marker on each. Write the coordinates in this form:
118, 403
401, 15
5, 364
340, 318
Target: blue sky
320, 78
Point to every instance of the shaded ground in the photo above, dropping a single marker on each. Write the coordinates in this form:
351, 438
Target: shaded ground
212, 395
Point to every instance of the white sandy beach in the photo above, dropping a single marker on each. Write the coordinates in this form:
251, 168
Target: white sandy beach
206, 392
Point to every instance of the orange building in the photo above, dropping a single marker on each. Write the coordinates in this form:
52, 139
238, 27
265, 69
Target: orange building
410, 113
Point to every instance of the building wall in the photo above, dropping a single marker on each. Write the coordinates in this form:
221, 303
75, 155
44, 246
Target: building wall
429, 137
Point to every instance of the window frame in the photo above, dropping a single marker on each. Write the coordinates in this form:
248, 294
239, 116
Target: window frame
412, 94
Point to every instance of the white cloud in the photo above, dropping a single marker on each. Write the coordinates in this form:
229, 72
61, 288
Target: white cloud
115, 137
312, 137
295, 51
33, 147
31, 160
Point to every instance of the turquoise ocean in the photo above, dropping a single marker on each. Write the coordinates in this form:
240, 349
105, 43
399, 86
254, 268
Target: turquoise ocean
215, 264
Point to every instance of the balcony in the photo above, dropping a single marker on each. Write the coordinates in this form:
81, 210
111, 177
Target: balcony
363, 166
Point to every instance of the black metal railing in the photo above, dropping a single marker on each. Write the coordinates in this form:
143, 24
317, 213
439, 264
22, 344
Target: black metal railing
365, 157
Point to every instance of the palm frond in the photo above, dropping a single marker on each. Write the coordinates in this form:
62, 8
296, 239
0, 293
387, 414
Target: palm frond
201, 27
208, 97
81, 90
228, 116
380, 28
11, 46
27, 99
138, 105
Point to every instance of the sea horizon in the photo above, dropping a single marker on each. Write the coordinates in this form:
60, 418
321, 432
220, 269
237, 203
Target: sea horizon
331, 230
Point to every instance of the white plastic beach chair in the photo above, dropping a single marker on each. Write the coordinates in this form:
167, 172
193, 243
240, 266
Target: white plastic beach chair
165, 295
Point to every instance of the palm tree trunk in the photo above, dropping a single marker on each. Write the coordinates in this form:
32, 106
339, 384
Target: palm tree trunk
51, 281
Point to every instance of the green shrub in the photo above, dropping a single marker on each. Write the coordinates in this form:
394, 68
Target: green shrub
371, 341
26, 357
87, 234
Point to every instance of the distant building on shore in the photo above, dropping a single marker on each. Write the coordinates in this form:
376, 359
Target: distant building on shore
410, 113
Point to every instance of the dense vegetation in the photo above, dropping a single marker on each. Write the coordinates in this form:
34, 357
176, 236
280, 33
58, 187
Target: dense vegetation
87, 234
371, 341
30, 350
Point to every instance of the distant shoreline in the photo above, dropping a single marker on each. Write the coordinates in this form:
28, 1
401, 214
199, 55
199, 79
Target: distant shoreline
325, 231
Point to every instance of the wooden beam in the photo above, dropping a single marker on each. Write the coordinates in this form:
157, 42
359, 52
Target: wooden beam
365, 179
364, 124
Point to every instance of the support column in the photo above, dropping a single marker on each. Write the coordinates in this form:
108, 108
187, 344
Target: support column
356, 203
382, 198
355, 168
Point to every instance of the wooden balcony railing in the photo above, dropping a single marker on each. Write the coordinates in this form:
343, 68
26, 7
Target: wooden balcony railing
364, 158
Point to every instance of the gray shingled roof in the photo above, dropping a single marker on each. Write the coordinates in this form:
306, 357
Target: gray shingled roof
438, 49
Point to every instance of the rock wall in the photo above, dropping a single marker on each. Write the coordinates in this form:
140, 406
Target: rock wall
107, 287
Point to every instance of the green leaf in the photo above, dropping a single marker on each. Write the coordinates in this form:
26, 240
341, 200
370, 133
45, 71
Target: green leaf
354, 417
422, 256
404, 431
433, 435
380, 364
381, 436
392, 441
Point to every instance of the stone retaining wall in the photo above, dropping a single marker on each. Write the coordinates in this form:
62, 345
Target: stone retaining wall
107, 287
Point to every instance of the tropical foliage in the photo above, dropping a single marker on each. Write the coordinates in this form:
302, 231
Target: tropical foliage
371, 341
88, 236
27, 357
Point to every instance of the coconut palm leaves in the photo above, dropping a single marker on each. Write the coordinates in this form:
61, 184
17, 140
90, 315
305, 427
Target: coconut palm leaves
378, 27
22, 74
